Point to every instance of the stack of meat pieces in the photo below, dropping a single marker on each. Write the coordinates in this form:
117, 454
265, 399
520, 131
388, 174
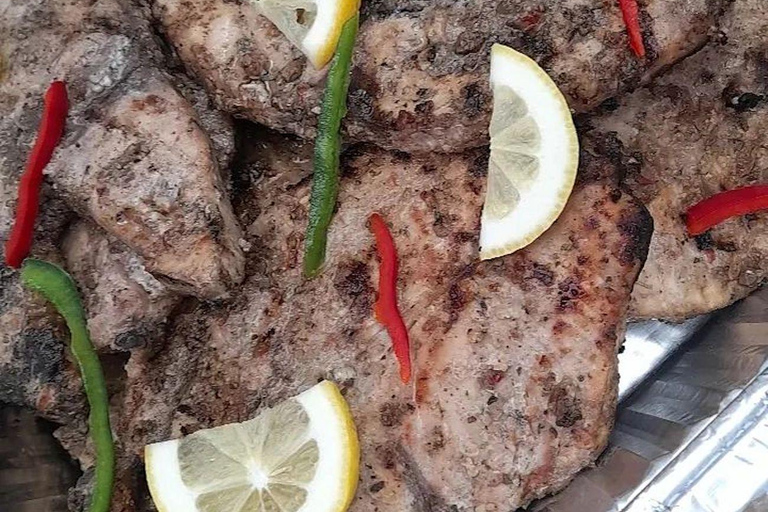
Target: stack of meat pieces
189, 263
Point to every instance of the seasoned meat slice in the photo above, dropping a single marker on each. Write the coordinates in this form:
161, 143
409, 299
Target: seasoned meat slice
126, 306
697, 131
135, 156
514, 359
420, 78
34, 369
145, 171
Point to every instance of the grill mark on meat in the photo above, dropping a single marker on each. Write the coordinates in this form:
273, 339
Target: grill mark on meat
362, 91
263, 343
150, 103
560, 327
565, 405
459, 297
457, 300
601, 157
384, 7
479, 168
741, 101
569, 292
651, 44
401, 156
463, 237
353, 284
637, 231
41, 357
436, 442
726, 245
391, 413
607, 342
420, 395
443, 221
704, 241
377, 487
543, 274
760, 58
474, 99
428, 169
591, 223
134, 338
425, 499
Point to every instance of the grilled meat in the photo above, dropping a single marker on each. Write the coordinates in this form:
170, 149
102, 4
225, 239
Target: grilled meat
124, 112
515, 359
34, 371
135, 157
420, 82
696, 131
164, 197
126, 309
126, 305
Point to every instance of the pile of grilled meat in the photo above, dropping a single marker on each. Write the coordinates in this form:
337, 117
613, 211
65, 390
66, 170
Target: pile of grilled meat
184, 228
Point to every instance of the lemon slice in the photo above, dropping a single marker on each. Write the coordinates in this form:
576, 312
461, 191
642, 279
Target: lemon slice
300, 456
313, 26
534, 154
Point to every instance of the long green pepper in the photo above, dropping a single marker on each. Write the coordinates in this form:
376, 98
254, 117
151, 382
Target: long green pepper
59, 288
325, 181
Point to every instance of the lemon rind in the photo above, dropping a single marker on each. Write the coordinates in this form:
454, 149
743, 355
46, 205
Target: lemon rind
151, 461
320, 42
346, 432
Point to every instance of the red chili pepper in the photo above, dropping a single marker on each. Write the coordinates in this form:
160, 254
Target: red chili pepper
714, 210
48, 136
386, 310
631, 14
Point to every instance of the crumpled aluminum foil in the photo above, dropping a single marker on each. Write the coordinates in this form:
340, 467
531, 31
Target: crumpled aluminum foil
691, 433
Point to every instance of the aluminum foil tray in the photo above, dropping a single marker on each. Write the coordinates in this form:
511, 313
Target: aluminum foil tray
691, 433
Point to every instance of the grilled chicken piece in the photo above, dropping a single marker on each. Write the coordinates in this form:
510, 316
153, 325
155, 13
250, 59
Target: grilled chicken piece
135, 156
421, 77
126, 305
697, 131
126, 308
514, 359
34, 371
144, 170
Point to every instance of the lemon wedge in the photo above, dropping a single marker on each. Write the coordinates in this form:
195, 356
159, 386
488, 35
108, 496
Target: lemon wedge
300, 456
313, 26
534, 154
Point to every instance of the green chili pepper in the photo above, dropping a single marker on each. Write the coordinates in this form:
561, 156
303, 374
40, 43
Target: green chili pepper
325, 181
59, 288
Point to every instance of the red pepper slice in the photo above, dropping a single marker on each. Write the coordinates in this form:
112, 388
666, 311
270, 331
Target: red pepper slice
386, 310
631, 14
732, 203
49, 134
